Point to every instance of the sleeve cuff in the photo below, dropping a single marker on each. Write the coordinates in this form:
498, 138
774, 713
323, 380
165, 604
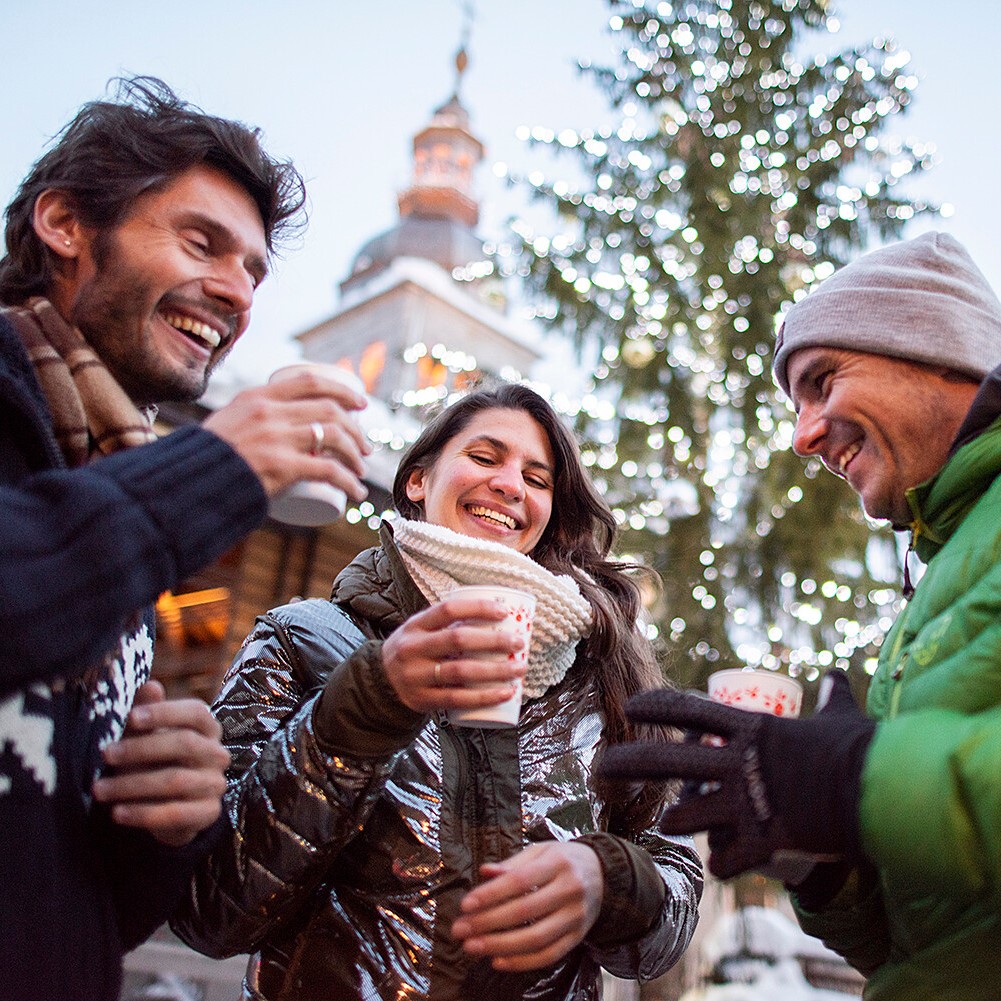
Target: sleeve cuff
359, 714
634, 891
198, 492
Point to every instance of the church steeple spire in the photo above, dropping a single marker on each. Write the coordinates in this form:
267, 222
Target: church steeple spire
461, 62
438, 210
462, 57
445, 155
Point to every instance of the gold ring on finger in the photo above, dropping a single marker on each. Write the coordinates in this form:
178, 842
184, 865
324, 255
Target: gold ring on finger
318, 435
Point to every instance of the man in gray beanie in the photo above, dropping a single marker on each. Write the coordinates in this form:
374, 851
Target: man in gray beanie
894, 367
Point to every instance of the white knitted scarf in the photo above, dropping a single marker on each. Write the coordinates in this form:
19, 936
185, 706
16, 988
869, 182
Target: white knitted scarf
440, 560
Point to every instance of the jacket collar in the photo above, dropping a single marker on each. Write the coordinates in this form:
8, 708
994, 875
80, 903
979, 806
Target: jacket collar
983, 412
376, 585
412, 599
940, 504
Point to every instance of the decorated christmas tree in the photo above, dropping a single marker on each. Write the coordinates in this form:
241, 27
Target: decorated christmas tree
743, 168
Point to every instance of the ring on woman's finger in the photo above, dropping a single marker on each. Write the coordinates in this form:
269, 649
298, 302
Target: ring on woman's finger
437, 674
318, 435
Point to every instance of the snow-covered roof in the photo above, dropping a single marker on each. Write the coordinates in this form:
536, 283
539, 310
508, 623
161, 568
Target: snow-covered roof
433, 279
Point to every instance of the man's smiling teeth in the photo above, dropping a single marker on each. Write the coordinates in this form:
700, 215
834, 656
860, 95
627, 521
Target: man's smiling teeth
502, 519
847, 456
201, 330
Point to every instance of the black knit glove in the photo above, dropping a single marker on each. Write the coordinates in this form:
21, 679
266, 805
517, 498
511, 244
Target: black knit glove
774, 784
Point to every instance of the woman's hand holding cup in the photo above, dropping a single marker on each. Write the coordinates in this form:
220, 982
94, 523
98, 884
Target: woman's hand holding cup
454, 655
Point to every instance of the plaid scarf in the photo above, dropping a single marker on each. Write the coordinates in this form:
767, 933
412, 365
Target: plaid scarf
91, 413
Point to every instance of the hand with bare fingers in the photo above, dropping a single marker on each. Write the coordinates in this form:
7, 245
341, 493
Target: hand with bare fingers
167, 773
300, 428
533, 908
452, 656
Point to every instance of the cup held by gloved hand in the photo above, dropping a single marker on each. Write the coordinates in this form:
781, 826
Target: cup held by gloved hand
773, 784
778, 695
757, 691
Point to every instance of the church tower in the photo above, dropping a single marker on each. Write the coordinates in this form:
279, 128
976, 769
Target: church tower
439, 211
421, 310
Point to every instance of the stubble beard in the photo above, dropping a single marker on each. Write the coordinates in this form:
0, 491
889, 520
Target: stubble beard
115, 313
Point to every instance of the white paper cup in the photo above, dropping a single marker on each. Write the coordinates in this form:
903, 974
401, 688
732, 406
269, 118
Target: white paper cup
757, 691
520, 609
311, 503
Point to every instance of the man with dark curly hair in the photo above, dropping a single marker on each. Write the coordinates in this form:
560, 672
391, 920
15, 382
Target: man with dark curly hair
133, 251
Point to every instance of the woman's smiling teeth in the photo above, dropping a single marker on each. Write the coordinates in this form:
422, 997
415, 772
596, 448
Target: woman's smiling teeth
195, 327
490, 515
847, 455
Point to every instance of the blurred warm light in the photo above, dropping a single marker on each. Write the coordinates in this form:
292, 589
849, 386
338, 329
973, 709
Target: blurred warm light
371, 364
194, 617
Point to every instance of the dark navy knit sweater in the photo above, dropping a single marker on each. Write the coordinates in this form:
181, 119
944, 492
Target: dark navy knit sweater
81, 551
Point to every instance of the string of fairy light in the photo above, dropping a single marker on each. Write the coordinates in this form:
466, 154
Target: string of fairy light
727, 464
640, 264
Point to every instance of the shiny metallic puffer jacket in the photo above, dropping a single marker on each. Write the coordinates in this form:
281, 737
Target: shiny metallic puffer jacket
343, 871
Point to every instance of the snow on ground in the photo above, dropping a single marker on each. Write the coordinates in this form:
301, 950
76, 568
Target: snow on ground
762, 931
763, 947
782, 982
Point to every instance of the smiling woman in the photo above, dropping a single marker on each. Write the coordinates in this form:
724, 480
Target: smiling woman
494, 480
394, 853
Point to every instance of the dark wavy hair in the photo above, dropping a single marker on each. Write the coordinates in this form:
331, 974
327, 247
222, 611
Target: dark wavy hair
576, 542
113, 151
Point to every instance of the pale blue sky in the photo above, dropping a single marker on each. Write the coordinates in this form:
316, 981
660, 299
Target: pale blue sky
341, 88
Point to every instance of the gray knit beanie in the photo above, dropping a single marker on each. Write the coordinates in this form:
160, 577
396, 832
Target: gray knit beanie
922, 300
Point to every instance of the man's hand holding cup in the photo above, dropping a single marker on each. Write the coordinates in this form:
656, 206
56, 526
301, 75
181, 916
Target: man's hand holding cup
301, 427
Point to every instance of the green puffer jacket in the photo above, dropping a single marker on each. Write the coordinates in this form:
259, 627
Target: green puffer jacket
927, 924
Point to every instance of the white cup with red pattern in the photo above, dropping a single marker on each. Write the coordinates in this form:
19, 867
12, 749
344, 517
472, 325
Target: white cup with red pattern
757, 691
520, 609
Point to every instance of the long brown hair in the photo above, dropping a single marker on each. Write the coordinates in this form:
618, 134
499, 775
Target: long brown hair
577, 542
